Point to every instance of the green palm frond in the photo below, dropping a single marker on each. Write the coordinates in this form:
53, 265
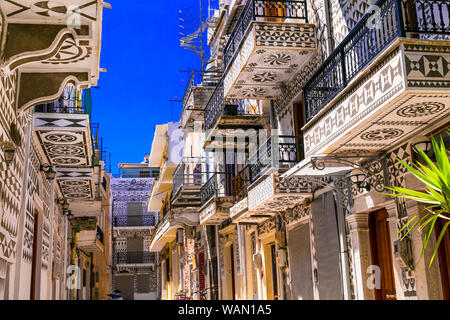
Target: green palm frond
436, 177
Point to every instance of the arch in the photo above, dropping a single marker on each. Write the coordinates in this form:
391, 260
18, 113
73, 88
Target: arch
38, 88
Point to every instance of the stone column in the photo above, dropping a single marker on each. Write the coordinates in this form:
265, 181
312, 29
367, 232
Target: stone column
359, 233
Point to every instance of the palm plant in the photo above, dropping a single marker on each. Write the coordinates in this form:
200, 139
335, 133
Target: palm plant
436, 178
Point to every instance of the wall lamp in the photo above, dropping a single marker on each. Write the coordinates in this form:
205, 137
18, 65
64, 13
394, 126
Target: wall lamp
48, 170
359, 179
9, 151
426, 146
64, 205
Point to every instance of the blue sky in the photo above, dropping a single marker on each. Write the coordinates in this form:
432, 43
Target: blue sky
141, 52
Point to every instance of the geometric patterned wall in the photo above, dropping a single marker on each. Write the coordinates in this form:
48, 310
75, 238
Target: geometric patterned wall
66, 143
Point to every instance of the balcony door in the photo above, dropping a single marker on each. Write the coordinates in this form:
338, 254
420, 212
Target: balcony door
134, 214
380, 245
299, 122
273, 10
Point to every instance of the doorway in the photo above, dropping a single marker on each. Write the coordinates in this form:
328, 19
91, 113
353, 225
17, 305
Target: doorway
230, 286
273, 255
380, 247
444, 259
34, 263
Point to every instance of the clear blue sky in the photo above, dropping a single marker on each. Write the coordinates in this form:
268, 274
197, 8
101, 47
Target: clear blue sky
141, 52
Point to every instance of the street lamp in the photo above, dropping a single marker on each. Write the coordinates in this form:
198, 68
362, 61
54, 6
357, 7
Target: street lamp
48, 170
9, 151
64, 205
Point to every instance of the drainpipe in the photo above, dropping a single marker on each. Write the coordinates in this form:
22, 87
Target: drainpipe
343, 249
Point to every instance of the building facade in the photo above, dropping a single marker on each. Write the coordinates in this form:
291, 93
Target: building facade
54, 202
290, 137
134, 273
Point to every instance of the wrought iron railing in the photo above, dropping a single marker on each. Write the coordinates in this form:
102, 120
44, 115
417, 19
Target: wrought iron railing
218, 106
145, 175
278, 152
133, 257
134, 221
262, 9
372, 34
216, 186
204, 78
65, 104
191, 172
241, 181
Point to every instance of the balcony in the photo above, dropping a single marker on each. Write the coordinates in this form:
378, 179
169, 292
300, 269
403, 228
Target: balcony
188, 180
174, 219
133, 221
228, 118
91, 240
384, 83
51, 44
216, 199
267, 192
131, 225
276, 155
270, 42
63, 130
198, 91
125, 258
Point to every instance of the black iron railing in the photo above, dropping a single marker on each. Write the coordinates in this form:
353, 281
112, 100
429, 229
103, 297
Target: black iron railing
218, 106
262, 9
68, 103
204, 78
278, 152
134, 221
373, 33
134, 257
216, 186
190, 172
144, 175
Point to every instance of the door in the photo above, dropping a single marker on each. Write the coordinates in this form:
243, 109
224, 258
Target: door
380, 245
298, 124
275, 11
444, 259
233, 285
273, 254
201, 272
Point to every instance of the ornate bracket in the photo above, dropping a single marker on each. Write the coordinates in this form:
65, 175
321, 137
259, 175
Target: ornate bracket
372, 166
